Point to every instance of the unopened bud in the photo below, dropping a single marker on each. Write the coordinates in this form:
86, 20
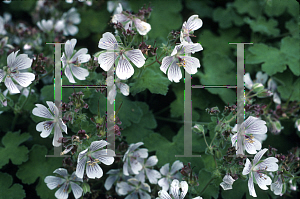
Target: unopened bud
198, 129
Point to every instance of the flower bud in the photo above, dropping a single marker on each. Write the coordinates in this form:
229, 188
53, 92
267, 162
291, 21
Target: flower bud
198, 129
3, 100
258, 87
86, 188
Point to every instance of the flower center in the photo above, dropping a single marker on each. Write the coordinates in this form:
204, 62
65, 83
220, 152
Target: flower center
249, 139
47, 125
92, 162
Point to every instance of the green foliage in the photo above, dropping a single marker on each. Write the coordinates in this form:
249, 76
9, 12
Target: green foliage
203, 8
38, 167
263, 26
277, 7
227, 17
251, 7
12, 151
9, 190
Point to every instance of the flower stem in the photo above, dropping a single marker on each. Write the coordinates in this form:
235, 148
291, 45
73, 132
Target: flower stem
206, 185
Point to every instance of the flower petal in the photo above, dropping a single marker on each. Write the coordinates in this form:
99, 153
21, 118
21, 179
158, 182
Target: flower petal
124, 88
11, 58
262, 180
61, 171
258, 156
141, 153
251, 186
276, 98
62, 192
110, 181
174, 190
108, 41
190, 64
74, 177
135, 166
70, 30
247, 167
124, 69
42, 111
112, 94
46, 128
226, 186
11, 85
69, 47
24, 79
105, 156
52, 181
2, 75
277, 186
69, 74
76, 189
21, 62
79, 73
165, 169
151, 161
194, 23
248, 81
164, 183
142, 27
176, 166
164, 195
254, 125
166, 62
107, 59
152, 175
261, 77
136, 57
251, 145
96, 145
57, 134
184, 188
269, 163
174, 73
228, 179
81, 164
94, 171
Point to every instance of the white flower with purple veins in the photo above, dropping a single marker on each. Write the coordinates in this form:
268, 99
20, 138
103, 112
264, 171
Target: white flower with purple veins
134, 188
252, 132
277, 186
70, 18
72, 60
24, 91
124, 88
174, 191
272, 86
64, 182
227, 182
53, 122
261, 78
128, 19
192, 24
12, 72
151, 174
132, 159
180, 57
114, 52
45, 26
169, 175
258, 170
114, 175
90, 158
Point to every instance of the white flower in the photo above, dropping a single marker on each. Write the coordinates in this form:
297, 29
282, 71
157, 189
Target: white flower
293, 186
168, 176
87, 2
136, 189
71, 62
151, 174
277, 186
115, 51
174, 191
59, 25
178, 58
2, 29
132, 159
45, 26
64, 182
142, 27
24, 91
91, 157
252, 132
258, 170
124, 88
297, 124
227, 182
193, 23
114, 6
260, 78
272, 86
114, 175
12, 72
54, 121
70, 18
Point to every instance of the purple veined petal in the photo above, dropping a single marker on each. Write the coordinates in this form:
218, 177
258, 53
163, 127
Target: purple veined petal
135, 166
251, 145
255, 126
110, 81
178, 49
234, 140
260, 137
152, 175
107, 59
46, 128
151, 161
78, 72
64, 60
186, 48
141, 153
251, 186
141, 176
81, 165
74, 177
57, 135
52, 181
258, 156
62, 192
81, 56
228, 179
2, 75
190, 64
112, 94
21, 62
164, 183
194, 23
124, 69
124, 88
11, 85
76, 189
11, 58
52, 107
71, 29
234, 128
262, 180
176, 166
42, 111
125, 168
113, 171
82, 155
63, 126
24, 79
133, 147
108, 42
123, 188
269, 163
69, 74
105, 156
142, 27
277, 186
174, 73
128, 25
136, 57
119, 18
166, 62
144, 195
61, 171
96, 145
226, 186
248, 81
94, 171
184, 188
174, 190
69, 47
110, 181
247, 168
164, 195
165, 169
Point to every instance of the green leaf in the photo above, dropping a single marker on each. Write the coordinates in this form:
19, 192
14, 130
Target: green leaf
227, 17
290, 90
293, 28
38, 167
277, 7
290, 48
212, 191
47, 93
219, 70
203, 8
263, 26
8, 190
153, 79
12, 151
271, 58
252, 8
